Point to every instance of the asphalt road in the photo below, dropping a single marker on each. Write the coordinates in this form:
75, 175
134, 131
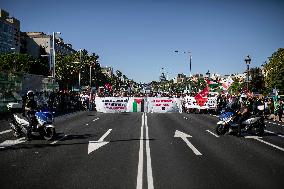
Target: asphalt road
137, 150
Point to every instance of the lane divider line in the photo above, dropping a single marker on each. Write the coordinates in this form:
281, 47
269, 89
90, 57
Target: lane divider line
140, 160
148, 154
96, 119
59, 139
139, 184
274, 133
212, 133
7, 131
259, 139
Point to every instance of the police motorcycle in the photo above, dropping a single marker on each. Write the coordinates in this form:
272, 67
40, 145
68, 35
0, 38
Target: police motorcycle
254, 124
42, 123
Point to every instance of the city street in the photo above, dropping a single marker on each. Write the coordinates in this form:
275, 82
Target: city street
142, 150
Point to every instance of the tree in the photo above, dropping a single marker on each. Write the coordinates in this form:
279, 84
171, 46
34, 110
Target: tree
236, 86
274, 71
24, 63
257, 81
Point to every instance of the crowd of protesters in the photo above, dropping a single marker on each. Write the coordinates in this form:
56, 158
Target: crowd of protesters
63, 101
68, 101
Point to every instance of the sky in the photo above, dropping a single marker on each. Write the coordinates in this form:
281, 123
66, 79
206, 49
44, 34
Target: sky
139, 37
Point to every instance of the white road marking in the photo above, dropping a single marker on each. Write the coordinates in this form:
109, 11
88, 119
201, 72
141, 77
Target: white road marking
94, 145
8, 143
212, 133
259, 139
140, 161
184, 136
87, 123
7, 131
274, 133
269, 131
96, 119
104, 136
54, 142
148, 154
214, 115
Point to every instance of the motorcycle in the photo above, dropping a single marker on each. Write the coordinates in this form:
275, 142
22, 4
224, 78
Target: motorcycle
42, 124
254, 124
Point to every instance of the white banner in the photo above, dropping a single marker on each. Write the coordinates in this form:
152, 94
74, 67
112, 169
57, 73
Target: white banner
138, 104
163, 105
111, 104
208, 103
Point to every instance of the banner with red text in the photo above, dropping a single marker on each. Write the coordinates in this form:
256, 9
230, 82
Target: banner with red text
163, 105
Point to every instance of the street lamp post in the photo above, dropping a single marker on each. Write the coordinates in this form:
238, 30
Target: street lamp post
247, 60
53, 52
14, 61
208, 74
90, 76
190, 59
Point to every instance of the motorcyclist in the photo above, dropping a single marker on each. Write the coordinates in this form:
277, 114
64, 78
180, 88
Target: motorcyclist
30, 107
243, 113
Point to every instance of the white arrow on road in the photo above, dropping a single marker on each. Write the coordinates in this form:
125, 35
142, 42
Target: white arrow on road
184, 136
94, 145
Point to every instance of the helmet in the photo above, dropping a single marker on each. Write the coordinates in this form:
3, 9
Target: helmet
244, 96
30, 93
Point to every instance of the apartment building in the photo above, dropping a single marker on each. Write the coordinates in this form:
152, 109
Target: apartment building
37, 43
9, 33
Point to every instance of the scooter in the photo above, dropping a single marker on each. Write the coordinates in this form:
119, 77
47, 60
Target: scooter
42, 124
254, 124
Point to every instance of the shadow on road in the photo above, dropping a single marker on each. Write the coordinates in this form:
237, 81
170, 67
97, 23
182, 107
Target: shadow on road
31, 145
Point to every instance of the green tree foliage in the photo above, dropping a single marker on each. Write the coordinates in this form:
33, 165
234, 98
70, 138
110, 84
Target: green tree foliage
257, 80
236, 86
17, 62
68, 68
274, 71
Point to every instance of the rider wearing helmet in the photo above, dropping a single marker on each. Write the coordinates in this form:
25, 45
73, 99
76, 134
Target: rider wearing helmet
30, 107
244, 112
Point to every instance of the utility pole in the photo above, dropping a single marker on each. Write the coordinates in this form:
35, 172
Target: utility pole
190, 59
53, 52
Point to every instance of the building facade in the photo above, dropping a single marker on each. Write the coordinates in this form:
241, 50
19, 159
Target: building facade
9, 33
39, 43
108, 71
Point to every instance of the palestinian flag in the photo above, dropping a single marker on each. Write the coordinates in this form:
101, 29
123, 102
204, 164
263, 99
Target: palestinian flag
138, 105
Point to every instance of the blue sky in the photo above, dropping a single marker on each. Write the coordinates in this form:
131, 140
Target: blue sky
139, 37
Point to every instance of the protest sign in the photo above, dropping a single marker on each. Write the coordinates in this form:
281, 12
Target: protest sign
163, 105
111, 104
